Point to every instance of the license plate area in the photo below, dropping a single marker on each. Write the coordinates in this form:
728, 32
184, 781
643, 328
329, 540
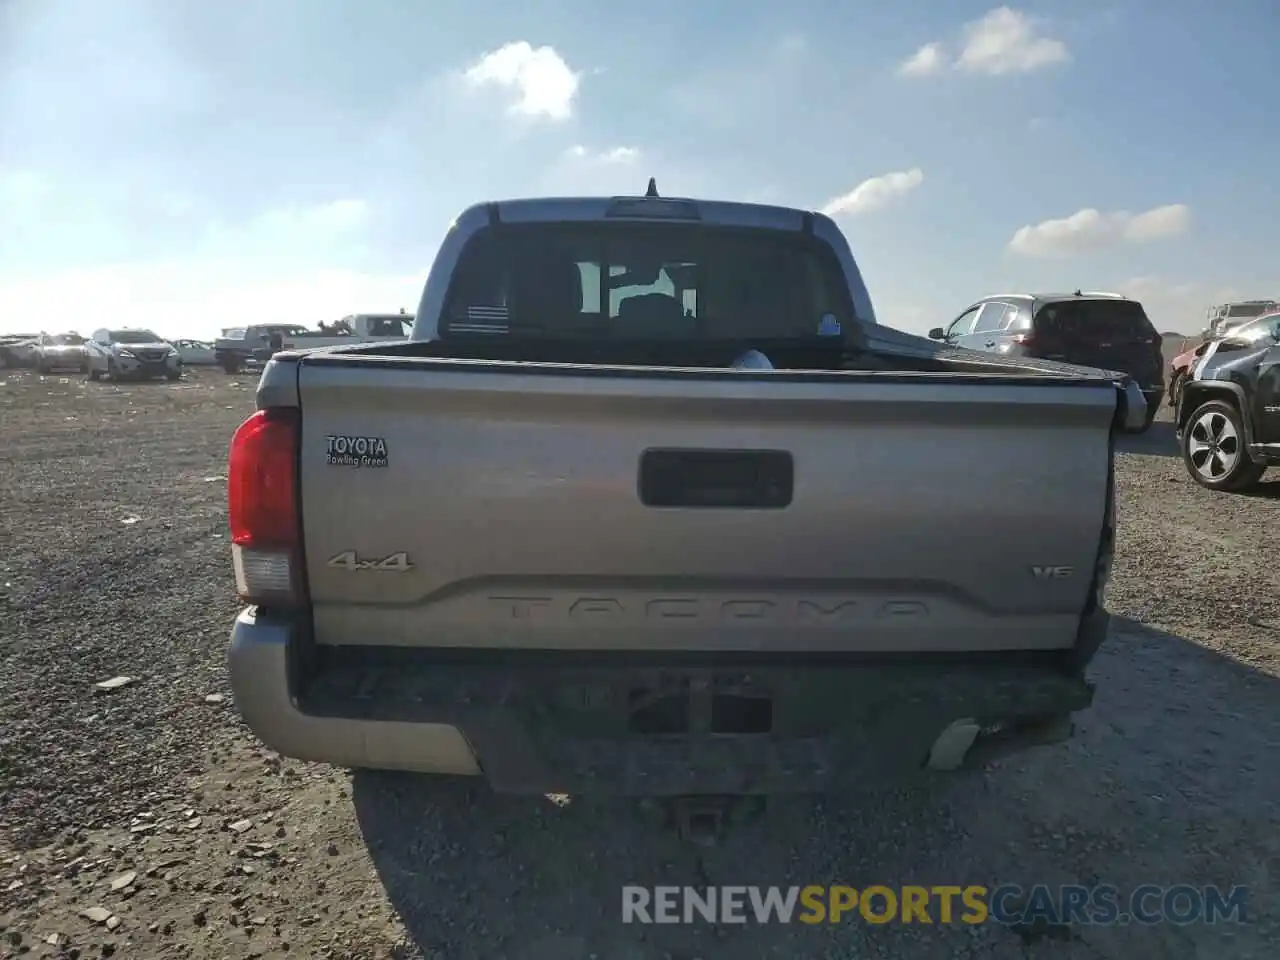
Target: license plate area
733, 479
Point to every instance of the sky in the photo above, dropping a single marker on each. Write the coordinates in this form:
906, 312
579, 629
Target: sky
187, 166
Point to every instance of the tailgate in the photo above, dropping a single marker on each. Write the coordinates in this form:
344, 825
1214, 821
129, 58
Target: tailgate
682, 510
1139, 357
1107, 335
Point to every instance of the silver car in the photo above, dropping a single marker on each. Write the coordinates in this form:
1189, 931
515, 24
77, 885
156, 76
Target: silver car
128, 354
65, 351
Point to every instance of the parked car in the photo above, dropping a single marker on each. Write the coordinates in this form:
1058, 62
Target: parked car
1236, 338
237, 346
19, 350
129, 354
195, 353
1228, 418
254, 344
1180, 369
1102, 330
64, 351
556, 540
1224, 317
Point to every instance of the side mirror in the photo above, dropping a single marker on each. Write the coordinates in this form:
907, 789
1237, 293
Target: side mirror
937, 333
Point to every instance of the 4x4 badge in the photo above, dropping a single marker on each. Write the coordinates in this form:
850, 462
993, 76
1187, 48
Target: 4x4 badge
348, 560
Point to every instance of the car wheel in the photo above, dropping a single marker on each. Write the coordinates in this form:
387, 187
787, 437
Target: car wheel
112, 373
1213, 448
173, 375
1175, 388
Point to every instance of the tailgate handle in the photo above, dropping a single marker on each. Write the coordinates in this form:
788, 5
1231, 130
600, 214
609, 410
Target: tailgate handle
742, 479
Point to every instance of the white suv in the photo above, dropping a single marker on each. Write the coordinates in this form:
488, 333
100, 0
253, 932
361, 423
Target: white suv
131, 354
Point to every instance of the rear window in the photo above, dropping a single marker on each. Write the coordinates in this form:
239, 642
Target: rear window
646, 282
133, 336
387, 326
1096, 321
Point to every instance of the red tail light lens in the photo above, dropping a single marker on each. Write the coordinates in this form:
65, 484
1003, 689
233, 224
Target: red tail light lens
262, 501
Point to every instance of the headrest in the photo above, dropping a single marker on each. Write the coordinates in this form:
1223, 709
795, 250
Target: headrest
652, 316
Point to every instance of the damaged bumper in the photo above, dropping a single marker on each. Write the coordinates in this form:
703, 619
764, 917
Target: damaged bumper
653, 727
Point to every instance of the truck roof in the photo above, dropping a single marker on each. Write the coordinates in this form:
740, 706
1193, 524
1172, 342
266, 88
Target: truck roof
649, 208
715, 212
1057, 297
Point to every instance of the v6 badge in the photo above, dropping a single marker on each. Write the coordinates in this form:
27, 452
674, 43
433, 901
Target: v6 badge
348, 560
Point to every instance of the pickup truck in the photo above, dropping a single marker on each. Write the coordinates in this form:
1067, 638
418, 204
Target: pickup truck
239, 346
557, 541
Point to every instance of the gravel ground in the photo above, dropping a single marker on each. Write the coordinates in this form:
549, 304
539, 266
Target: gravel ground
143, 821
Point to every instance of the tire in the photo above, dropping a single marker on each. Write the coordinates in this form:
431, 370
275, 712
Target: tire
112, 374
172, 375
1213, 448
1175, 388
92, 374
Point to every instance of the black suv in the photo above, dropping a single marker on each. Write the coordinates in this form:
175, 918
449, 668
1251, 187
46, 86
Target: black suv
1101, 330
1228, 420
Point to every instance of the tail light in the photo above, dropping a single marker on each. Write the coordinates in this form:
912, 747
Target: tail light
1107, 548
262, 500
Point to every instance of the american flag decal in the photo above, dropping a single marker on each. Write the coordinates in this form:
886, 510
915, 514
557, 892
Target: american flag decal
482, 319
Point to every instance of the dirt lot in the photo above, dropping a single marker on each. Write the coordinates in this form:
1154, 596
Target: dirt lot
144, 822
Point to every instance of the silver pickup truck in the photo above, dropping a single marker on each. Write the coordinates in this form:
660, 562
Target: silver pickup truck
557, 540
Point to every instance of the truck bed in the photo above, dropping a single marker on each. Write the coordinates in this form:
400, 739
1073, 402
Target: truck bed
953, 508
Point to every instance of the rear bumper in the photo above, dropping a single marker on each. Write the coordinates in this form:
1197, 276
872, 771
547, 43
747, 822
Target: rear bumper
666, 726
260, 667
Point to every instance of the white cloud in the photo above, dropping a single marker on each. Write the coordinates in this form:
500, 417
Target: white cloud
1007, 41
1167, 221
542, 83
610, 155
1004, 41
874, 193
928, 60
292, 262
1090, 229
196, 298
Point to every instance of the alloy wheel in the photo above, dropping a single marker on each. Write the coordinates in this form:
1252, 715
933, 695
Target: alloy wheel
1213, 445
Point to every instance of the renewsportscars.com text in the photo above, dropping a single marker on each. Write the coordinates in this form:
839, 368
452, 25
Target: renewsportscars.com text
972, 904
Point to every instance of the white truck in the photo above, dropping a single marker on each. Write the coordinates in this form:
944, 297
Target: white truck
239, 346
1224, 317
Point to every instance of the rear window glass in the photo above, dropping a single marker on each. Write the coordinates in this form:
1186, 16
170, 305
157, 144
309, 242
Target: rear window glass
646, 282
133, 336
1096, 321
386, 326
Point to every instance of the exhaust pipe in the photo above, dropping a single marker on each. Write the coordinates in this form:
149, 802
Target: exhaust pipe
968, 744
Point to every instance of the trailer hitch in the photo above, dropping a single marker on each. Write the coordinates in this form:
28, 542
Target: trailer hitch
705, 819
